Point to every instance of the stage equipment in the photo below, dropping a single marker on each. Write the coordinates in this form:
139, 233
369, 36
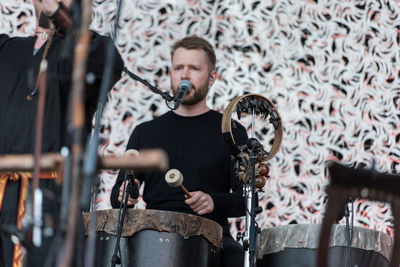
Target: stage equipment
250, 159
157, 238
148, 160
70, 246
172, 102
174, 178
297, 245
90, 181
36, 215
133, 189
346, 183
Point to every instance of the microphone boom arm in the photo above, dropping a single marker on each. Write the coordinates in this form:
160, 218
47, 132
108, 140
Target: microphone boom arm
154, 89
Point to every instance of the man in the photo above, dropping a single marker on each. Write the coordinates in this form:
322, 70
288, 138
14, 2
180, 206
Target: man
191, 136
20, 58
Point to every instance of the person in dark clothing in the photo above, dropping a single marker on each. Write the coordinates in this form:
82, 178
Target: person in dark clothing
20, 58
191, 136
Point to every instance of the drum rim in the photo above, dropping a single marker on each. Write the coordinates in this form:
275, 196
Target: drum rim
382, 244
137, 220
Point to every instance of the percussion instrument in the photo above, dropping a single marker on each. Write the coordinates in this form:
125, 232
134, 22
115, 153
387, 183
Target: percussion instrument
157, 238
259, 105
296, 245
250, 159
351, 183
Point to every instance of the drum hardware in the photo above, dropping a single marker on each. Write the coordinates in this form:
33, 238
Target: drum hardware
174, 178
250, 160
347, 182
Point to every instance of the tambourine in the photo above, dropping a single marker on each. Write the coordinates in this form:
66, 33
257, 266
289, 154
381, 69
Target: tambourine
255, 105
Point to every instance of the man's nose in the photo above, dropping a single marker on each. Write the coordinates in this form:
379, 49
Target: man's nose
185, 75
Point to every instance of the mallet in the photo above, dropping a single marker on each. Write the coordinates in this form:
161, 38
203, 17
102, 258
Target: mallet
174, 178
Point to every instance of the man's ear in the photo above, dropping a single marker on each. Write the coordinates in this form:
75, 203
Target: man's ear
212, 77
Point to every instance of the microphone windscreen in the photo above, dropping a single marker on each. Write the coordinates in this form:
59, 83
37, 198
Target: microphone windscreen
185, 85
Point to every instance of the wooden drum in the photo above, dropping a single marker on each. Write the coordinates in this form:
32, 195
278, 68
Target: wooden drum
296, 245
157, 238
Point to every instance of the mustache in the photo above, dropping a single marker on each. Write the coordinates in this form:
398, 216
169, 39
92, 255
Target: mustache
175, 89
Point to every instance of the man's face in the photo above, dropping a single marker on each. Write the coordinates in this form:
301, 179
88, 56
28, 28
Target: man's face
192, 65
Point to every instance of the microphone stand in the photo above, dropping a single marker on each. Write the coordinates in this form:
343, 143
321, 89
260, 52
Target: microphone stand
91, 160
168, 98
349, 232
252, 209
65, 199
249, 237
121, 217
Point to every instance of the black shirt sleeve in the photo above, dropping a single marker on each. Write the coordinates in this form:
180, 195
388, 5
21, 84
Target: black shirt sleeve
232, 204
3, 39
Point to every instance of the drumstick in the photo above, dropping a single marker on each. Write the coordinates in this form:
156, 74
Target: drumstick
174, 178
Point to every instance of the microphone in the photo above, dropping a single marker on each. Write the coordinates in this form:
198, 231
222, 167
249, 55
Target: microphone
183, 88
132, 186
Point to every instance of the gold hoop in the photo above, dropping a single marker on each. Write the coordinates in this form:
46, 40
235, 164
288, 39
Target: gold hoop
275, 119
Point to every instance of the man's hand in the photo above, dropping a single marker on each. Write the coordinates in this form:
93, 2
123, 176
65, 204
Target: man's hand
200, 202
122, 189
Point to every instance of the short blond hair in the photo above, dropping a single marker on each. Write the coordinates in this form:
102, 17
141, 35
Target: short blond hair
195, 42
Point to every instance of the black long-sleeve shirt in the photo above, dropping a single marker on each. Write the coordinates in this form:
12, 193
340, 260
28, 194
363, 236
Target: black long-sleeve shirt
18, 72
195, 146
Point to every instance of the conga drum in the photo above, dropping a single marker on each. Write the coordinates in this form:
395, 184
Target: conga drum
296, 245
157, 238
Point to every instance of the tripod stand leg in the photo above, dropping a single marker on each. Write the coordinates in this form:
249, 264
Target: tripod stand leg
335, 205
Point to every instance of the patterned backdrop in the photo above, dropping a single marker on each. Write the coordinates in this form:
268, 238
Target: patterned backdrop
331, 68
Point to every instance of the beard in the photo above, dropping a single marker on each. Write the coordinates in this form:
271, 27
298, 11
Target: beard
197, 96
